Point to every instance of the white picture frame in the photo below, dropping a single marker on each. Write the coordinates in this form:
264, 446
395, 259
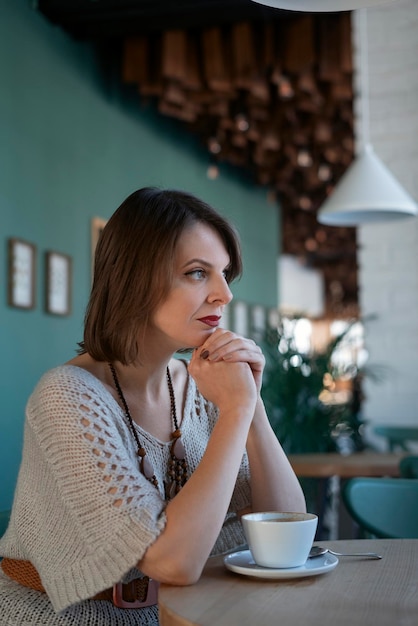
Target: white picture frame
58, 283
21, 273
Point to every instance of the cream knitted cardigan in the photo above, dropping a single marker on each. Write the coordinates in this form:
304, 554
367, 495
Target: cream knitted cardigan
83, 513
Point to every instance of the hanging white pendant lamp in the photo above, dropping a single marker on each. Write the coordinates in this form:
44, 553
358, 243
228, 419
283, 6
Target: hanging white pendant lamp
367, 192
313, 6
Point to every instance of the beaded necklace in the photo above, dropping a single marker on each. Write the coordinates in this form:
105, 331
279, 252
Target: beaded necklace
177, 466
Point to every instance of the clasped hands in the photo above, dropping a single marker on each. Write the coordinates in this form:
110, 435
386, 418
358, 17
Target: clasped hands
227, 362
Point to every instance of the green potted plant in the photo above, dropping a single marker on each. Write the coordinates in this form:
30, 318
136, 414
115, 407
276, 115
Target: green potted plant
296, 392
305, 412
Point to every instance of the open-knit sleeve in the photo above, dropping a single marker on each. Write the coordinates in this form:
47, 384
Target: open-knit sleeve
86, 514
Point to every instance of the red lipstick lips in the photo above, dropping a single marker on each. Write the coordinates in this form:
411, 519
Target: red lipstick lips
210, 320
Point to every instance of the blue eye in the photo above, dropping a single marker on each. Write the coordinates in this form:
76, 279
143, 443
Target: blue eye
198, 274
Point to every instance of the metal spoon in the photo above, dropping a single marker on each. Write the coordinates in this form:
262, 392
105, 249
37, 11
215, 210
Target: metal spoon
319, 551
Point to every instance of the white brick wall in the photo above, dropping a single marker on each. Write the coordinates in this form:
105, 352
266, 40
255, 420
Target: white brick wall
388, 254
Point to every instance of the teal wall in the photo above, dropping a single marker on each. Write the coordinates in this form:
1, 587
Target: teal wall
73, 145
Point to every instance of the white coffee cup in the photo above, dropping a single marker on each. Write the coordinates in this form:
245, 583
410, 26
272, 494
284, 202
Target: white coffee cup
280, 540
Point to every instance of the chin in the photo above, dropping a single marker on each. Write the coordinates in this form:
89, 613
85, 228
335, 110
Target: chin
193, 342
191, 345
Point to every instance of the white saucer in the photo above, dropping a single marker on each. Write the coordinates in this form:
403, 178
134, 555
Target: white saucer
243, 563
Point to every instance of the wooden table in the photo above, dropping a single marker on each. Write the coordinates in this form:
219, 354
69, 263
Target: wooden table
358, 591
334, 467
346, 466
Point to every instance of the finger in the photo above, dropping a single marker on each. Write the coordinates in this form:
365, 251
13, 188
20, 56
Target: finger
239, 350
248, 355
216, 348
219, 338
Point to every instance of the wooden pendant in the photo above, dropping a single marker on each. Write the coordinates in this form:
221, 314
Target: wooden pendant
145, 464
177, 449
177, 467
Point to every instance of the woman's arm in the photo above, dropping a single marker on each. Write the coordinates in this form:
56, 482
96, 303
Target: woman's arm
195, 516
230, 377
274, 485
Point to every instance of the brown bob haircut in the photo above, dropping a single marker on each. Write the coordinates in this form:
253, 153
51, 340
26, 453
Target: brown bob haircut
133, 267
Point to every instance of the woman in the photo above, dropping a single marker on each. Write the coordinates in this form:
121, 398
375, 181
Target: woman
136, 465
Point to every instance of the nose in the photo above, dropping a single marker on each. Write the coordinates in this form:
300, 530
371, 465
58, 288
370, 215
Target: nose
220, 291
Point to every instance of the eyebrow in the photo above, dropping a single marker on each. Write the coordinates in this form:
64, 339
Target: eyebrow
201, 262
196, 260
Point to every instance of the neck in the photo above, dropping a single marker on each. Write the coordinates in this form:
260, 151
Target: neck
146, 379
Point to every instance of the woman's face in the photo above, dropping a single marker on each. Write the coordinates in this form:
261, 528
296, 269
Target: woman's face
199, 292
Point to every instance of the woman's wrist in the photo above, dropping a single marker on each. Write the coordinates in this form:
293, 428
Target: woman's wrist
241, 413
260, 416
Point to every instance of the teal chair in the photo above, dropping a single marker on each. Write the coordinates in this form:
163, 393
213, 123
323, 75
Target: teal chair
383, 507
408, 467
397, 436
4, 521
